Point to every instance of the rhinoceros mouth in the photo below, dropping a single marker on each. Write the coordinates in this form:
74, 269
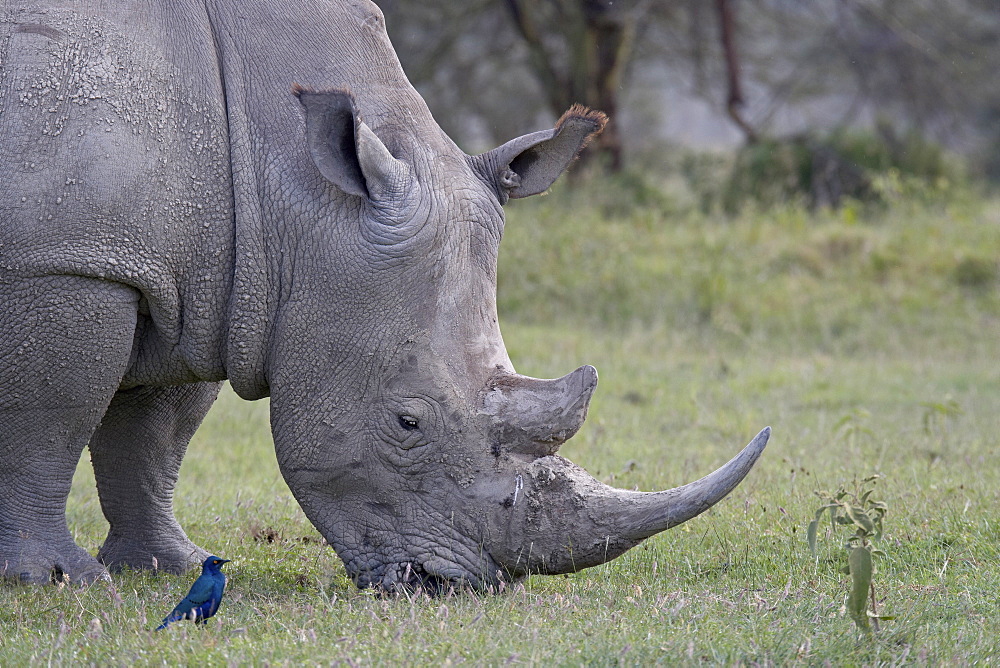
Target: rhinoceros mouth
408, 578
433, 578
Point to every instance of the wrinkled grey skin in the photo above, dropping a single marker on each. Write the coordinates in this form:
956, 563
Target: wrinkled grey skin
172, 215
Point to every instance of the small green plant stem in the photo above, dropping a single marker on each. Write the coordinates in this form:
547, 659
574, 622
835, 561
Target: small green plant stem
874, 608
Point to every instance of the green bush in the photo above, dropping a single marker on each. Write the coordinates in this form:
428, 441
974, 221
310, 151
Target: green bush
870, 166
974, 271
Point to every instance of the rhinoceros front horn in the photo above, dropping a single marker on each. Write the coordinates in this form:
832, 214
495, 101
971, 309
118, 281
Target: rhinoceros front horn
563, 520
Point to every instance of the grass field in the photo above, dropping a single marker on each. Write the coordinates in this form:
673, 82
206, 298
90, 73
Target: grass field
869, 339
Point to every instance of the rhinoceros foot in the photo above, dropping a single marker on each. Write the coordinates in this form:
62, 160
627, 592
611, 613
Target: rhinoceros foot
31, 561
175, 554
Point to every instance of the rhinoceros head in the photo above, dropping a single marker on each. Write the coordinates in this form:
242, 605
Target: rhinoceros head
399, 421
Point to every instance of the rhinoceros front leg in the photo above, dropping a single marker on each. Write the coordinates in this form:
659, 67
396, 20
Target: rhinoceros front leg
64, 346
137, 454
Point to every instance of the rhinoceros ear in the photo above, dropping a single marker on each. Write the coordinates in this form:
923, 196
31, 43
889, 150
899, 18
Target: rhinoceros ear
345, 150
530, 164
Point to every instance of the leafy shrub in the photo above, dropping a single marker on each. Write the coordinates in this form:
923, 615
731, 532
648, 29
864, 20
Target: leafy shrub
910, 154
858, 511
976, 272
861, 165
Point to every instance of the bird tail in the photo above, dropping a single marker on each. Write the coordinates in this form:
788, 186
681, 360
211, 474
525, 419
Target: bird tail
176, 616
168, 620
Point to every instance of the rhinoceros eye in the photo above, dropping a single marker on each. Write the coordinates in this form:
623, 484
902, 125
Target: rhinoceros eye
408, 422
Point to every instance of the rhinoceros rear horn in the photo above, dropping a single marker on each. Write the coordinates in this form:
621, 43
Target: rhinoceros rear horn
346, 151
530, 164
533, 416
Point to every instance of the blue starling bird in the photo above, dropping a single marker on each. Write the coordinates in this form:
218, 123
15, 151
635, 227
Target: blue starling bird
206, 593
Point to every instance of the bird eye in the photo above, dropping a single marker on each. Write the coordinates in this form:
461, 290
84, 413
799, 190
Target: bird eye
408, 422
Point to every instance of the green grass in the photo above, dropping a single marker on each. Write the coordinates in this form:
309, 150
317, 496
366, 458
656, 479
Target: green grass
869, 341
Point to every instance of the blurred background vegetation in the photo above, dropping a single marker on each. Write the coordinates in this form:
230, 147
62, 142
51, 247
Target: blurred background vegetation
742, 101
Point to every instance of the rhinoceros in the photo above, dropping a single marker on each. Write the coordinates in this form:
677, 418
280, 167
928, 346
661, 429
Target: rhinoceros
196, 191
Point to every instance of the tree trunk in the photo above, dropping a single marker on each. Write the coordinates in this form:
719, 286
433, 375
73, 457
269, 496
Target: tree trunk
734, 101
580, 58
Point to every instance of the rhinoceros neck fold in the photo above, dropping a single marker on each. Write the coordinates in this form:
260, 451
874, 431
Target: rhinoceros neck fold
263, 49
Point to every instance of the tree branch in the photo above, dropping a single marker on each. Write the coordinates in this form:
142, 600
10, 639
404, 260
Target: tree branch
541, 59
734, 101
